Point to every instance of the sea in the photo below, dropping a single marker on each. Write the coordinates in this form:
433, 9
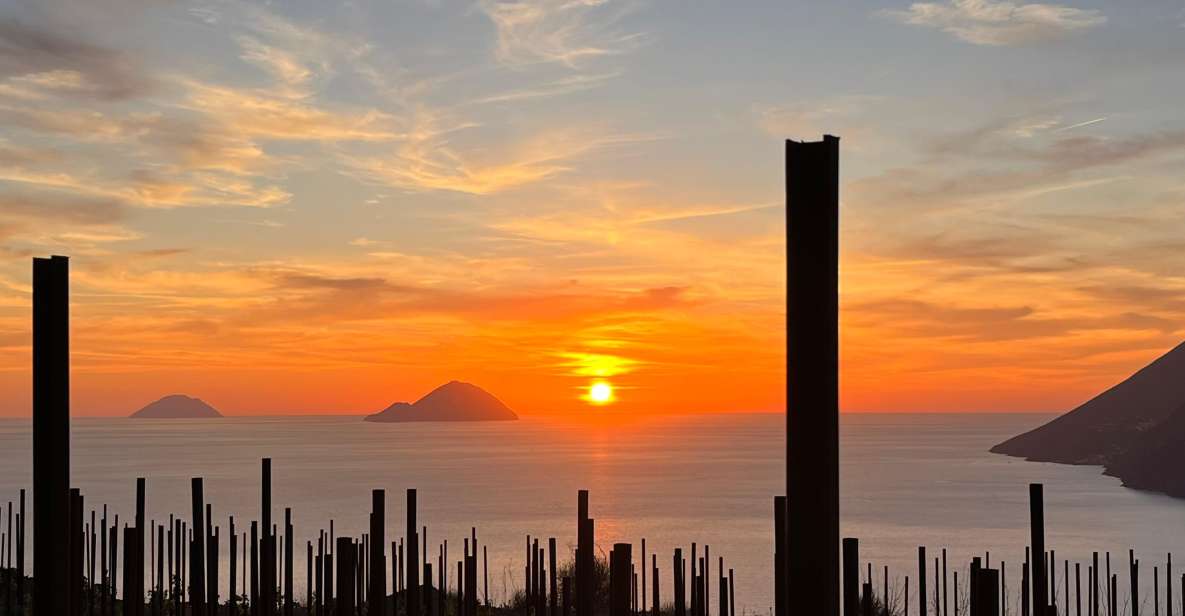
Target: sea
908, 480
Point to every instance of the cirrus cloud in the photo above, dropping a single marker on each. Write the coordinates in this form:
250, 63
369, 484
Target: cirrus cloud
988, 22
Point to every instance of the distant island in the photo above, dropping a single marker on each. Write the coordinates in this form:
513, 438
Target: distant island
453, 401
177, 406
1135, 430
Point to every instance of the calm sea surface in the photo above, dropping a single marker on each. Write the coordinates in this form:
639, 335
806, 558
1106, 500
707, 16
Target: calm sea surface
907, 480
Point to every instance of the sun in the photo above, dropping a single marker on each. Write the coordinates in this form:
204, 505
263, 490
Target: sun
600, 393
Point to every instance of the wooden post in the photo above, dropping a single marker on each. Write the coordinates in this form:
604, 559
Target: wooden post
1077, 590
330, 597
211, 546
1168, 586
732, 595
267, 547
812, 375
677, 572
377, 594
1134, 578
212, 578
987, 593
426, 588
197, 563
255, 594
1037, 528
1094, 585
1114, 595
345, 575
51, 435
413, 559
233, 601
642, 600
128, 568
584, 556
922, 580
851, 576
656, 597
471, 582
160, 572
320, 575
288, 557
552, 570
138, 565
722, 586
619, 579
20, 552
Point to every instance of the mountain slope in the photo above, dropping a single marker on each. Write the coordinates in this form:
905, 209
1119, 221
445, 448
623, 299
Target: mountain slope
1134, 429
1108, 424
176, 406
453, 401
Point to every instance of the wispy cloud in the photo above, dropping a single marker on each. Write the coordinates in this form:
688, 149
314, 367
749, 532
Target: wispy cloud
992, 22
1080, 124
567, 32
426, 159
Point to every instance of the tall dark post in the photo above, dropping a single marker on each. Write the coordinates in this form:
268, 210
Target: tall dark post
585, 559
197, 561
212, 577
945, 601
553, 604
1133, 567
345, 553
20, 555
1168, 586
922, 580
51, 434
620, 560
267, 556
138, 565
1039, 570
781, 601
159, 598
987, 592
377, 595
851, 576
232, 600
427, 588
812, 375
288, 581
655, 595
677, 579
413, 557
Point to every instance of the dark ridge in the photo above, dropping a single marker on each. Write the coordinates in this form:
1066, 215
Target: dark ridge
453, 401
177, 406
1133, 429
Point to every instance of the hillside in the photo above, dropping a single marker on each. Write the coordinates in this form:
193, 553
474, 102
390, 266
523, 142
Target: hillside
1134, 429
453, 401
177, 406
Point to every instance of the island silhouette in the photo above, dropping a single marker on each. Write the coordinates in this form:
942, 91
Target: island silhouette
453, 401
177, 406
1135, 430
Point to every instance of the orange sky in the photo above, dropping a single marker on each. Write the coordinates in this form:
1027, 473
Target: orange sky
309, 206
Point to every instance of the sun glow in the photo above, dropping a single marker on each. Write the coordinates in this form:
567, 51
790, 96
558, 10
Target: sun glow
600, 393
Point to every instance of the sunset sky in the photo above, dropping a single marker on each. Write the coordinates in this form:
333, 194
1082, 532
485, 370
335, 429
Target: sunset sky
317, 206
